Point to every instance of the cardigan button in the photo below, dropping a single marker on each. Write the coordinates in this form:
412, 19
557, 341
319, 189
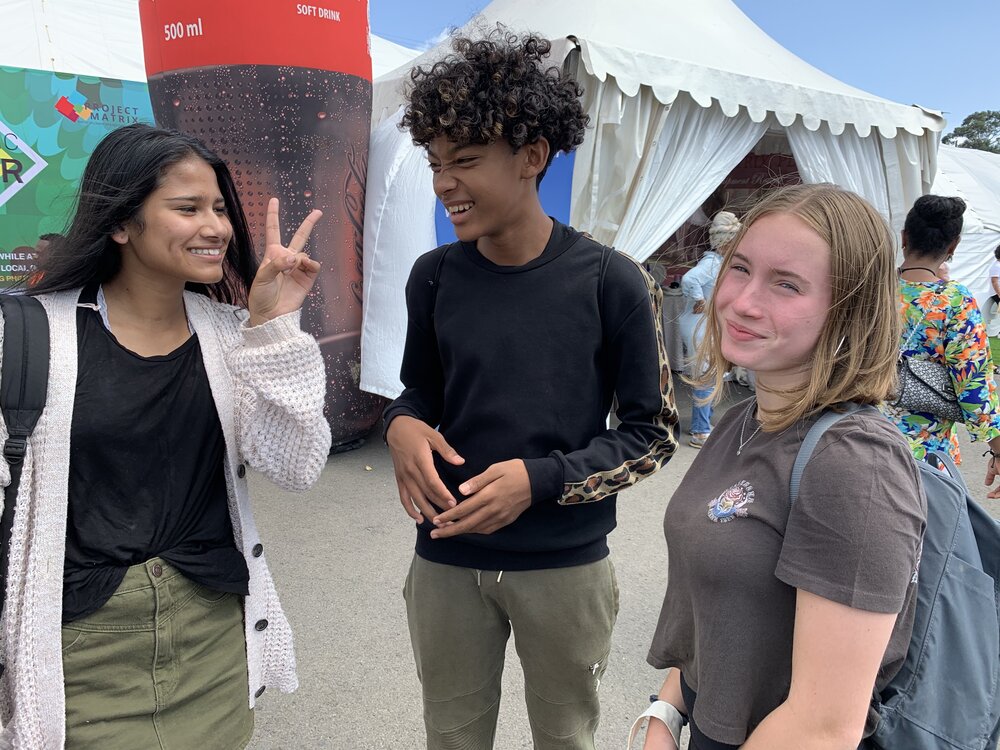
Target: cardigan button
260, 692
261, 625
258, 550
241, 471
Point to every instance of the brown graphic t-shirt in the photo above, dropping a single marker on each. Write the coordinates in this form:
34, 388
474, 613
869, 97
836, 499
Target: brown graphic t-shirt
737, 553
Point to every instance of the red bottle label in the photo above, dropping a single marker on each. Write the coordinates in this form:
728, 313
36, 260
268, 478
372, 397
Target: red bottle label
320, 34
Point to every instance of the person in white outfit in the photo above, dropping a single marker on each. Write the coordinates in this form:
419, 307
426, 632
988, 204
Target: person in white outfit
696, 286
992, 319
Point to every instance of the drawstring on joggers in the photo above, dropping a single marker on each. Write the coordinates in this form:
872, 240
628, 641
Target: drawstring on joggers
479, 577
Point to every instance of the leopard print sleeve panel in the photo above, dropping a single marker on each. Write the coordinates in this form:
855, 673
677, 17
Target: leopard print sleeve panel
661, 447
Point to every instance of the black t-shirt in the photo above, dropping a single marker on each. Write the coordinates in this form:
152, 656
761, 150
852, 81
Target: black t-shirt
146, 475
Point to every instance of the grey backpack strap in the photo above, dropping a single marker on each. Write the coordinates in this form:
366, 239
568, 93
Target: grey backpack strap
826, 420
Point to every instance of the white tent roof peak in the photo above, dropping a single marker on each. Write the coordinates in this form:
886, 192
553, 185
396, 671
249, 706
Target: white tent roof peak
710, 49
387, 55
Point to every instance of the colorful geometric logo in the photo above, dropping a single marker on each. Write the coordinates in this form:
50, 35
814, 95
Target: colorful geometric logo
74, 109
19, 164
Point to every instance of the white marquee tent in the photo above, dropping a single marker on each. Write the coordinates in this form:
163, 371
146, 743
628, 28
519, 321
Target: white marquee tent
678, 94
388, 56
975, 177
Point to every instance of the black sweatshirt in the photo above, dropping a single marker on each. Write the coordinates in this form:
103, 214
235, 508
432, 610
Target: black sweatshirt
524, 362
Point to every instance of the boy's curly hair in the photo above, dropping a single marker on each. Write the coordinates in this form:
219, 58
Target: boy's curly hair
494, 88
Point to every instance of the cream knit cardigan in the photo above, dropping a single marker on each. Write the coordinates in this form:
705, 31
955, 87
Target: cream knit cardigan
268, 383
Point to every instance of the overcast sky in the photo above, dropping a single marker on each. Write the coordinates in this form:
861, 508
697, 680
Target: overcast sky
913, 52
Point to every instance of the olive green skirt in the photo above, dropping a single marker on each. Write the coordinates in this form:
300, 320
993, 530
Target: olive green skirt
161, 666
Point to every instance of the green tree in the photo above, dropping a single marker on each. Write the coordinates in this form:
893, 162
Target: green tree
979, 130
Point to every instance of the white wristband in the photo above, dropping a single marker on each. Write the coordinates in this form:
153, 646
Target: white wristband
665, 712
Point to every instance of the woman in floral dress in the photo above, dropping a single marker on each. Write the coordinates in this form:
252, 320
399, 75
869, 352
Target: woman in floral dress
943, 323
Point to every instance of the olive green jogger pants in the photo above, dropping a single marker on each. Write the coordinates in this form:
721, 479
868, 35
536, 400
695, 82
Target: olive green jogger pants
460, 620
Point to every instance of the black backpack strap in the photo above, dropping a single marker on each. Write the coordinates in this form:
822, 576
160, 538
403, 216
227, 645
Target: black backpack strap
809, 442
24, 382
436, 281
601, 273
605, 260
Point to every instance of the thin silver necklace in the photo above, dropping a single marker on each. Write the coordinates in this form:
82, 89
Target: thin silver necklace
743, 428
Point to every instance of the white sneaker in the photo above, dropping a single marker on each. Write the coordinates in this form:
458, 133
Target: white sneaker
698, 439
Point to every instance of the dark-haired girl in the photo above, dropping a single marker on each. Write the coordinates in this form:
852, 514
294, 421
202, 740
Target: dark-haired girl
140, 612
942, 323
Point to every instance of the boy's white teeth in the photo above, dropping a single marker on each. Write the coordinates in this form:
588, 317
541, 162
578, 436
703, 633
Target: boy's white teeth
206, 251
459, 208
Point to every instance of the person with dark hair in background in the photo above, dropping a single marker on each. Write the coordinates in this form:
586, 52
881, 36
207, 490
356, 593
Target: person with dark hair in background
41, 253
520, 336
175, 363
42, 246
942, 323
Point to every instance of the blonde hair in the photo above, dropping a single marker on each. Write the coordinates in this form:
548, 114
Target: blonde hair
855, 356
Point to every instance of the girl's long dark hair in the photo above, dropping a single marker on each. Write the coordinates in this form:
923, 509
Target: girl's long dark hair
124, 169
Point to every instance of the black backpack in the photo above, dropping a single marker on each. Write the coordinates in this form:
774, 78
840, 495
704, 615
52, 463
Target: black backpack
23, 385
946, 695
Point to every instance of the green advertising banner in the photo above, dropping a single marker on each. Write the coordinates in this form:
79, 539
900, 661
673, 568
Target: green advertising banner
49, 125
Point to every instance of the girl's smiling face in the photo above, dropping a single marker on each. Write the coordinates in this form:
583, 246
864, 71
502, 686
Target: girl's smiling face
772, 299
184, 228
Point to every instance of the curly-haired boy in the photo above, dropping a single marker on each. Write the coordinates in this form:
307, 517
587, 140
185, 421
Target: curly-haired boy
520, 335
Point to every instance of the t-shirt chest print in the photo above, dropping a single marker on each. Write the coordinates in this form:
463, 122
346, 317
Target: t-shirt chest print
732, 503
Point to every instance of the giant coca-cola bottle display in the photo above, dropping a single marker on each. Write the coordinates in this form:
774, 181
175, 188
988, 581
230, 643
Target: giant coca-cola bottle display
282, 91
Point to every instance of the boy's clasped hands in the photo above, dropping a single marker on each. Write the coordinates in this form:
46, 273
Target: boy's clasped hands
493, 499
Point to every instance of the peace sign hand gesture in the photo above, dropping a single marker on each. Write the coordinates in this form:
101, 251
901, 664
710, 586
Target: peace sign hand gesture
287, 273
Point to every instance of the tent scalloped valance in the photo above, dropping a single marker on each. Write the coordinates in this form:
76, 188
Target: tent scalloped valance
667, 77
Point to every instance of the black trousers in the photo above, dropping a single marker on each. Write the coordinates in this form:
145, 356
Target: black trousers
699, 741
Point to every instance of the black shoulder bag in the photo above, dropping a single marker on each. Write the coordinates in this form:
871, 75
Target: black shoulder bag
24, 381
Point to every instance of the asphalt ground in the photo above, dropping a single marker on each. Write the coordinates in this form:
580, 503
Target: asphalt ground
339, 554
